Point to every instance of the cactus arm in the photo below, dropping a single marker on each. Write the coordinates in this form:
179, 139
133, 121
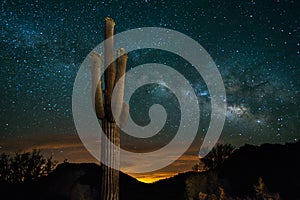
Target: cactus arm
117, 101
97, 97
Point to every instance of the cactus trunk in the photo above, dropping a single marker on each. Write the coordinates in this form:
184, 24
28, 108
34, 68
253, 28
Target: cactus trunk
110, 176
103, 108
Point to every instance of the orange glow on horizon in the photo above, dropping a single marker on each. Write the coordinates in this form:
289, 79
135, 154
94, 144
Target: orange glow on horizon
150, 179
70, 147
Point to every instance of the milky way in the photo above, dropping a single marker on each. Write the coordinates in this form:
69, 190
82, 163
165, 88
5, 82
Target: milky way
255, 44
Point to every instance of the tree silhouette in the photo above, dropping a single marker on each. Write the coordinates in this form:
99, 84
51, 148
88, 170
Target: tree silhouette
215, 158
24, 166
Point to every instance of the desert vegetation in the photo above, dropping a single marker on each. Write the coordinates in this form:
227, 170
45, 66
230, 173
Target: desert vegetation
208, 185
23, 167
207, 188
268, 171
215, 158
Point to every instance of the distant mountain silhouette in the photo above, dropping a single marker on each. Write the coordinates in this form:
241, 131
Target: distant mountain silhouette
277, 165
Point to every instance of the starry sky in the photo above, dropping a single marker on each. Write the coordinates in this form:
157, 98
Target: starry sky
255, 44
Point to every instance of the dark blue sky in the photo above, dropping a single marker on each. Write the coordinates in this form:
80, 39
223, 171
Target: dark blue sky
256, 45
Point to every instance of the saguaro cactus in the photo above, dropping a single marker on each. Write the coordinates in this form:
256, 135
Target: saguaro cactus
103, 108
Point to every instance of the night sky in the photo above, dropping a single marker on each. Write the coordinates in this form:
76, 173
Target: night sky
255, 44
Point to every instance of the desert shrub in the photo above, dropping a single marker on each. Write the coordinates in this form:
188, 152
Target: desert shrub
24, 167
202, 186
196, 168
216, 157
262, 191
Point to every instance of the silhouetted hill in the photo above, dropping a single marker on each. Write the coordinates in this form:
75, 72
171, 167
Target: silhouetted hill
71, 181
278, 165
82, 181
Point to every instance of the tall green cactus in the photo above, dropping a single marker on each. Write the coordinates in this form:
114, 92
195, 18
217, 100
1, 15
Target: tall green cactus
103, 109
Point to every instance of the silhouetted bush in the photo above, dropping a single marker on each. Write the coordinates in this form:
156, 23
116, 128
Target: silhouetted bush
202, 186
24, 166
196, 168
262, 191
216, 157
205, 186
